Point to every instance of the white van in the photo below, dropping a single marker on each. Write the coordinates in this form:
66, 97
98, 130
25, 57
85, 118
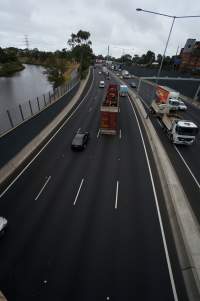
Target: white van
102, 84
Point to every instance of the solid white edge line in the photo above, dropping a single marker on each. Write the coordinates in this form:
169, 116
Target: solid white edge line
116, 195
158, 210
43, 187
98, 133
120, 134
60, 128
194, 178
78, 192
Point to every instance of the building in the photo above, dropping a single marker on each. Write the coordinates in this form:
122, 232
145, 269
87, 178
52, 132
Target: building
190, 56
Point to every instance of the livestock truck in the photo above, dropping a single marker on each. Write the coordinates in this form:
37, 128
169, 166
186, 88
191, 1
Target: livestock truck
109, 111
180, 131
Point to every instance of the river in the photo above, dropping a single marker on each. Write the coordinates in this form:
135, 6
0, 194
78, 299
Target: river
22, 86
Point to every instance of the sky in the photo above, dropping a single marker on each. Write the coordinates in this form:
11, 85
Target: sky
48, 24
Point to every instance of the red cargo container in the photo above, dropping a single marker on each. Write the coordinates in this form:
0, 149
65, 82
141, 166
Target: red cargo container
109, 111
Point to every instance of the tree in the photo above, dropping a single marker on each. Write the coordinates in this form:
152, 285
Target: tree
135, 59
81, 50
126, 58
150, 57
159, 58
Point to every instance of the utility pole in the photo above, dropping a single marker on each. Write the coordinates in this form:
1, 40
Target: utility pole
108, 53
26, 40
177, 50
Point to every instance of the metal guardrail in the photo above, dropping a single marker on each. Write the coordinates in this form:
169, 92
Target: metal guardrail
15, 116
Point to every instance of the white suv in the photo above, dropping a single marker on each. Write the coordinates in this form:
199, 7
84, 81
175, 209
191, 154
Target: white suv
182, 106
101, 84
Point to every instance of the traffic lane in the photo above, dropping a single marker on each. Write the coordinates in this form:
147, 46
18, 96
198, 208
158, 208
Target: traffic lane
38, 222
189, 153
141, 246
192, 113
190, 187
88, 263
72, 125
27, 187
39, 255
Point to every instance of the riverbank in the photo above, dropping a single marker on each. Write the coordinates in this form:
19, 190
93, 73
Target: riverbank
9, 69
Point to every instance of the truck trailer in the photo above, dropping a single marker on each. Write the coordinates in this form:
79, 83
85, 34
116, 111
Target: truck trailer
165, 97
109, 111
166, 102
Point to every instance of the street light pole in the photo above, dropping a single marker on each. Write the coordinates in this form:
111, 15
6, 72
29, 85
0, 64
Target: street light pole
173, 20
163, 57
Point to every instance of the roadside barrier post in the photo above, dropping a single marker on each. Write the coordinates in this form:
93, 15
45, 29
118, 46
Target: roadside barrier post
45, 104
38, 103
20, 108
30, 107
49, 97
10, 118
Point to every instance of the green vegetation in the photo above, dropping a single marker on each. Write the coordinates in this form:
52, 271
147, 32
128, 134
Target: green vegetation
58, 64
149, 59
81, 50
9, 62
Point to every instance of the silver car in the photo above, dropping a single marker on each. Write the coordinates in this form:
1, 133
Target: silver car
182, 106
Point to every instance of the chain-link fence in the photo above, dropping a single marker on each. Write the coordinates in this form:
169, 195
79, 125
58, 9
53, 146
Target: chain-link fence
18, 114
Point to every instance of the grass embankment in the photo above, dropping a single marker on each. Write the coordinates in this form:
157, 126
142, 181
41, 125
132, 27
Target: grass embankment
69, 69
8, 69
48, 63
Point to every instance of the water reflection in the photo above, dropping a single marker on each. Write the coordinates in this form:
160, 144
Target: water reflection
24, 85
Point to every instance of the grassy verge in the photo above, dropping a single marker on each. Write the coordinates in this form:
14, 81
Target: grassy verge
8, 69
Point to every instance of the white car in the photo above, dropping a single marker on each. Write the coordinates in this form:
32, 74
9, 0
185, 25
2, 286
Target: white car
182, 106
101, 84
3, 224
100, 72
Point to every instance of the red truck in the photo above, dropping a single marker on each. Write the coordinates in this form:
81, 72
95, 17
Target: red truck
109, 111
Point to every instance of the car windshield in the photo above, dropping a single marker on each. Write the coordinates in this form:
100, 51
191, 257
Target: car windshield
174, 103
78, 139
186, 131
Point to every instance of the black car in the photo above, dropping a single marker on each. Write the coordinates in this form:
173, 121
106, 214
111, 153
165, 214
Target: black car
133, 85
80, 141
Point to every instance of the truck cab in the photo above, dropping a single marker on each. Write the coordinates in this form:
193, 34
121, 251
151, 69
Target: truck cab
180, 131
173, 104
184, 132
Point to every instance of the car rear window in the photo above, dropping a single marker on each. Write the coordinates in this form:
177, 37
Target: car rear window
78, 139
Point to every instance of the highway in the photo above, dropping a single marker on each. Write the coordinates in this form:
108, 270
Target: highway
90, 225
184, 159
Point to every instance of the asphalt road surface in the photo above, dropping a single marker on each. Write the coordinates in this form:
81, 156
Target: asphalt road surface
90, 225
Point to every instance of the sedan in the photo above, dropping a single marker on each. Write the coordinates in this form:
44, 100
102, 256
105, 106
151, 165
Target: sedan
3, 224
80, 141
133, 85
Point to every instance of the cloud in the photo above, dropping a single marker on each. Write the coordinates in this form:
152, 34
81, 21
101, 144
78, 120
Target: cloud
49, 24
